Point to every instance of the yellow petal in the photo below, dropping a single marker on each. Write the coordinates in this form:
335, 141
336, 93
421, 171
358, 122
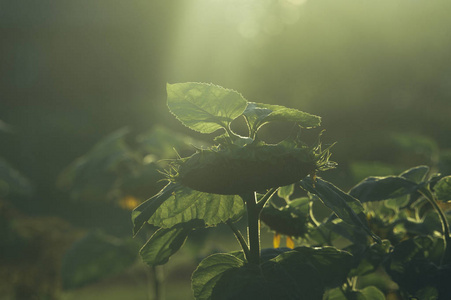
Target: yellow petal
290, 242
276, 240
128, 202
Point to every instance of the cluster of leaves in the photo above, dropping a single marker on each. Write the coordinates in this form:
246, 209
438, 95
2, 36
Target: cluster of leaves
183, 205
400, 210
383, 225
179, 208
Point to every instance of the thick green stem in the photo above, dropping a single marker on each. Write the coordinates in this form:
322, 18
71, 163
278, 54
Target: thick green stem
253, 233
445, 226
240, 239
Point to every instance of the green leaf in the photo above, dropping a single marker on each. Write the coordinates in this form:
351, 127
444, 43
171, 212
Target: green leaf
354, 234
94, 257
290, 220
415, 174
382, 188
343, 205
289, 276
408, 250
332, 264
258, 114
143, 212
443, 189
282, 277
204, 107
285, 191
246, 282
371, 258
368, 293
335, 294
372, 293
185, 204
164, 243
302, 273
209, 271
411, 265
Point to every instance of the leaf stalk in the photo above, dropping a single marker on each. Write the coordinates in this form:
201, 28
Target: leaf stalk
240, 239
443, 220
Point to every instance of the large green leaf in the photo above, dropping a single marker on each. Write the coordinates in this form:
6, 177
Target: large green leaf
343, 205
382, 188
94, 257
186, 204
165, 242
443, 189
279, 278
177, 204
258, 114
143, 212
332, 264
210, 271
302, 273
204, 107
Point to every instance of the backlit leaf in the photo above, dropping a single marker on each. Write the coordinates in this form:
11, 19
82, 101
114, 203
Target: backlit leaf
204, 107
382, 188
285, 191
345, 206
302, 273
143, 212
443, 189
209, 271
164, 243
415, 174
185, 204
258, 114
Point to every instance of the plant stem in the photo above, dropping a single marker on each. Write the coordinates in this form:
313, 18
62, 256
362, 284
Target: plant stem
157, 275
253, 227
445, 226
240, 239
318, 224
265, 198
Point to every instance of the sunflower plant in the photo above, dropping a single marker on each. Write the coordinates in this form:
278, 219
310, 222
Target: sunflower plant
239, 175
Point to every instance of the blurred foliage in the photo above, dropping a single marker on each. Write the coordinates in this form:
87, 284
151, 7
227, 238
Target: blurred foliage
13, 185
73, 72
95, 257
124, 168
31, 253
69, 78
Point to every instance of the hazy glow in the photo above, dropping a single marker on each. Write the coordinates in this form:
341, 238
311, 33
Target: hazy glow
222, 34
